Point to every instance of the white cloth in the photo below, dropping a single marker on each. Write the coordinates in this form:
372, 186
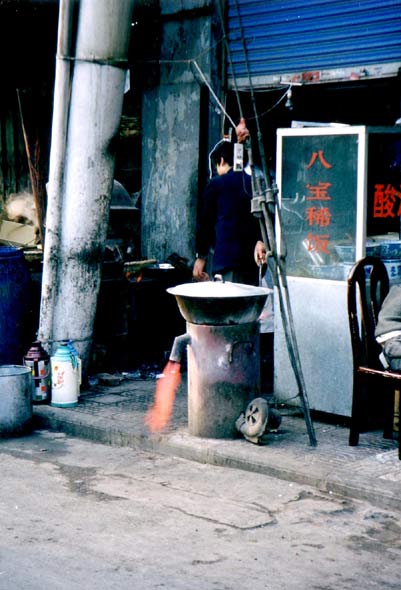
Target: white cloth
266, 319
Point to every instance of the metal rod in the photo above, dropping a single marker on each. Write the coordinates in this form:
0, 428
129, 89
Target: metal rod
279, 272
279, 275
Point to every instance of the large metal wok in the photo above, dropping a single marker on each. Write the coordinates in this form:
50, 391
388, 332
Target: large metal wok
219, 303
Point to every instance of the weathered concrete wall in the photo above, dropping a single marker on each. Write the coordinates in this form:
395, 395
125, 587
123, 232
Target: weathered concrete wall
171, 124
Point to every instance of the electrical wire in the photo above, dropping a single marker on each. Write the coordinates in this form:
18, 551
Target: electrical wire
203, 77
225, 38
278, 260
272, 107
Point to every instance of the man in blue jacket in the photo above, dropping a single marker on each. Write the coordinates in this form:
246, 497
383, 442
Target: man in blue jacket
226, 224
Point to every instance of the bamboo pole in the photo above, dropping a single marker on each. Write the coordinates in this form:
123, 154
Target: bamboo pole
33, 151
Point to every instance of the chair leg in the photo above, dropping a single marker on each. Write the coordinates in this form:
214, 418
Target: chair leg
396, 420
396, 417
389, 413
355, 426
353, 437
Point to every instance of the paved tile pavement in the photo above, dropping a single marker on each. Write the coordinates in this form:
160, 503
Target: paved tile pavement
115, 415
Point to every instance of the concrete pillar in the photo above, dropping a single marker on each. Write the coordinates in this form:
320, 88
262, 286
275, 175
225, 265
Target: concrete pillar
176, 122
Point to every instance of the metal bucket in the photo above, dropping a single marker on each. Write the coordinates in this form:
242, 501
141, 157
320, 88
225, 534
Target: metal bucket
223, 377
15, 399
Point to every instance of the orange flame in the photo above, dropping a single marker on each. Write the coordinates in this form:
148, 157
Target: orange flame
158, 416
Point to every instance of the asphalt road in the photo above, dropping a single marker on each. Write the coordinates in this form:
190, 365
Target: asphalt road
79, 515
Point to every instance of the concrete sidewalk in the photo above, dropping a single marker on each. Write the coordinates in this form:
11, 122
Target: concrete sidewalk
115, 415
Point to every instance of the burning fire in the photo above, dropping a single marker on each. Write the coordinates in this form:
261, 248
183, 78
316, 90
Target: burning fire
159, 414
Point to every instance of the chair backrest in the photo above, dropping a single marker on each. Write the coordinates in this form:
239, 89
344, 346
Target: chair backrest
368, 285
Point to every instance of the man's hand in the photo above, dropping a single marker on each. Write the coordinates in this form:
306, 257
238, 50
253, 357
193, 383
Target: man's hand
242, 131
198, 271
260, 253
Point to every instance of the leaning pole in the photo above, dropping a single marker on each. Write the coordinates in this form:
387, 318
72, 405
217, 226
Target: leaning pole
97, 91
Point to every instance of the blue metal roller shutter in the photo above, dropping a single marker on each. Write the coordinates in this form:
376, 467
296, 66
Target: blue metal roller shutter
313, 40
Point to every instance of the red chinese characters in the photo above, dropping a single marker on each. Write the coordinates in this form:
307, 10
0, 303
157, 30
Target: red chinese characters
318, 243
386, 201
318, 156
315, 215
318, 192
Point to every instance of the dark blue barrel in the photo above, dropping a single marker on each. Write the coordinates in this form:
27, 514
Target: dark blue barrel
14, 280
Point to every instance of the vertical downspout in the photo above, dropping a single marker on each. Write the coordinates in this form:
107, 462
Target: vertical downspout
97, 93
61, 101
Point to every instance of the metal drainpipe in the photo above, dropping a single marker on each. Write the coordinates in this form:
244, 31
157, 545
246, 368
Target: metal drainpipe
61, 101
97, 93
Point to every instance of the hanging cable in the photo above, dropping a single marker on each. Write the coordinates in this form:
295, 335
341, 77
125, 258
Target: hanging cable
223, 26
253, 100
265, 208
203, 77
269, 110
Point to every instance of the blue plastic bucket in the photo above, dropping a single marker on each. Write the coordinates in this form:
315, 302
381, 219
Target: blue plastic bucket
14, 278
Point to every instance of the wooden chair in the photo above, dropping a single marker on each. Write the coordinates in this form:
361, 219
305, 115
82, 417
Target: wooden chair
368, 373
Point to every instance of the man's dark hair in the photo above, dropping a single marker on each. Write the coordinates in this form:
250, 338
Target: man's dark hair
224, 149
